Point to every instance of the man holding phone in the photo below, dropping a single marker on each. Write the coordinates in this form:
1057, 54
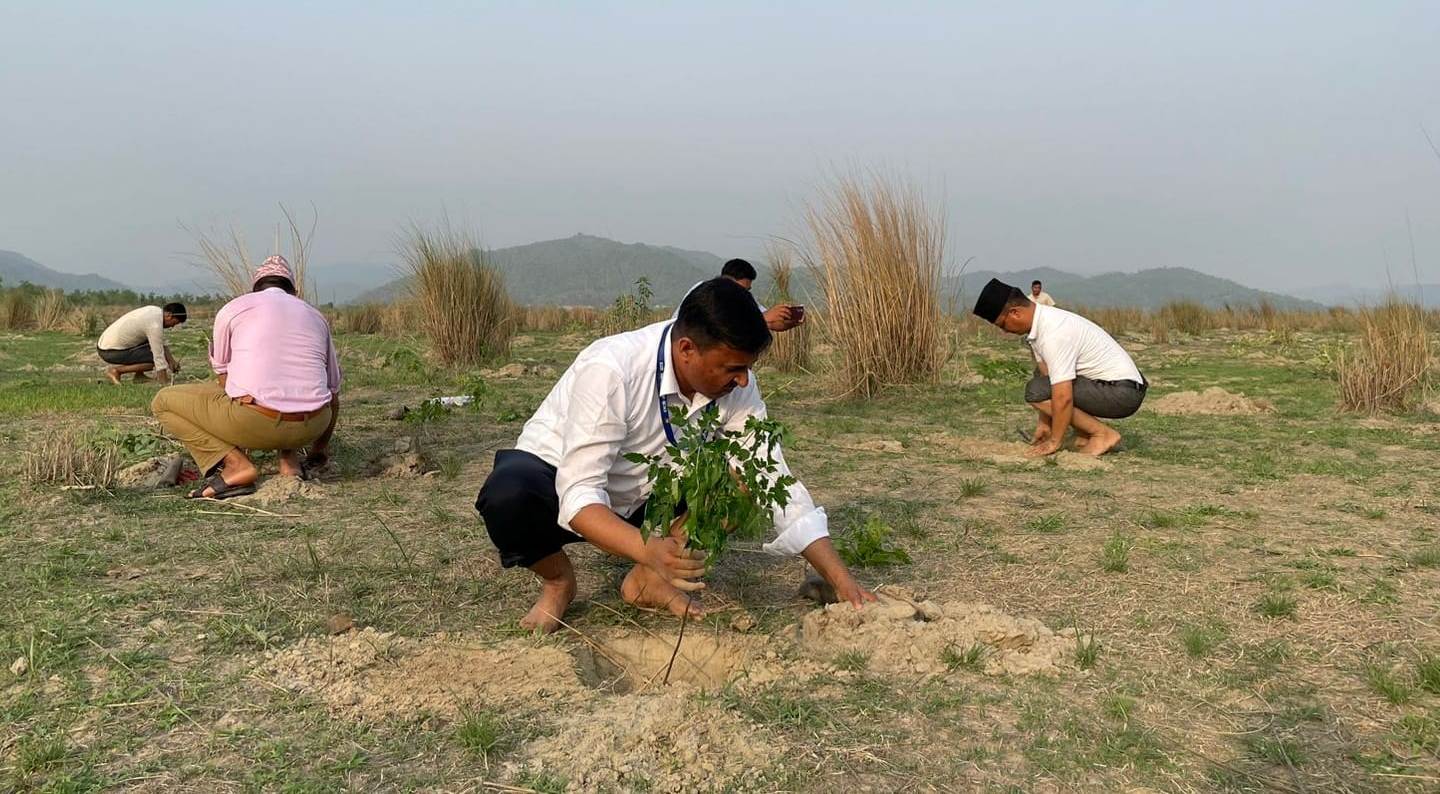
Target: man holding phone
777, 318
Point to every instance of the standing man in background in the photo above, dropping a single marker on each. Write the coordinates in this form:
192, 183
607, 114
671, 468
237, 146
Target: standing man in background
1039, 295
135, 343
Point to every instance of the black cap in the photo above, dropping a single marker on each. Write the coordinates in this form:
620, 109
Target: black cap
992, 300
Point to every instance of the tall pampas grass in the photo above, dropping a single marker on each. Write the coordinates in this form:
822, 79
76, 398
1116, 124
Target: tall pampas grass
876, 252
463, 307
229, 260
791, 349
1390, 364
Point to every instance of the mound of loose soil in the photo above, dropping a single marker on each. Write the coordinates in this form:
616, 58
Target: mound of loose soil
160, 471
402, 460
1214, 401
664, 743
1013, 454
903, 634
280, 489
374, 675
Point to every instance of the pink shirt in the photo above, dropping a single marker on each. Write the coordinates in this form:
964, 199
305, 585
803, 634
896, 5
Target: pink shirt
276, 348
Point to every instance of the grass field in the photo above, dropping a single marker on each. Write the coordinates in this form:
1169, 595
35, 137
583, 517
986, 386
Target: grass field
1255, 597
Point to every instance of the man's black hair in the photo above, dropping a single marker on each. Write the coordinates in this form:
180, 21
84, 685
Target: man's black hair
739, 269
721, 312
176, 310
1036, 283
274, 281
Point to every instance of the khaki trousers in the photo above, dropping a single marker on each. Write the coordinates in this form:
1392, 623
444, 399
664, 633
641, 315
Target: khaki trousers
210, 423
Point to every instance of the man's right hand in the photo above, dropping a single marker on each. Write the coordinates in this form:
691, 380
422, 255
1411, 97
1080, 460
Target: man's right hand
672, 562
781, 318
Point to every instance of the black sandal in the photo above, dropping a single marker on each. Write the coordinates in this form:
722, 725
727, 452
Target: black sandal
223, 490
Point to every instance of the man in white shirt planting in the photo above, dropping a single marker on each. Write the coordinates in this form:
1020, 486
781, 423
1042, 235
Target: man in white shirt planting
1082, 373
135, 343
568, 480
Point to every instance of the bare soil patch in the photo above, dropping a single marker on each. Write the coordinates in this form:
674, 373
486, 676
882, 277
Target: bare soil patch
1213, 401
1013, 454
637, 662
905, 634
667, 743
373, 675
280, 489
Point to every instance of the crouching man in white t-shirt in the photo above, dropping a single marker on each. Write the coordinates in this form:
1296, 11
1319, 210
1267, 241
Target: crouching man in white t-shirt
1082, 374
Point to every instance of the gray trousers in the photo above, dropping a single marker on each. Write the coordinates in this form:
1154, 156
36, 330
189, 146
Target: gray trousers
1103, 399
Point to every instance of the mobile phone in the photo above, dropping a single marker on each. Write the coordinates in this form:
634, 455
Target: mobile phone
799, 312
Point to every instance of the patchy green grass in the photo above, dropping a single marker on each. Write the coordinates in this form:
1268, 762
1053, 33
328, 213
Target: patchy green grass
1276, 605
1115, 554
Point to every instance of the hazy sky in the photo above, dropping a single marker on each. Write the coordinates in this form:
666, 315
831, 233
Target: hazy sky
1270, 142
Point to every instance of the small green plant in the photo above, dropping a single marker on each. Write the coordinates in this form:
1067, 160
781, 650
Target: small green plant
542, 782
1276, 750
482, 733
970, 488
1156, 519
1427, 669
1277, 605
427, 412
1003, 368
1087, 650
1388, 684
1115, 554
852, 661
629, 311
971, 658
729, 481
450, 466
1199, 641
1047, 525
870, 546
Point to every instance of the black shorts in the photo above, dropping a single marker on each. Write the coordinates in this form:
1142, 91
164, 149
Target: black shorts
1103, 399
522, 511
139, 354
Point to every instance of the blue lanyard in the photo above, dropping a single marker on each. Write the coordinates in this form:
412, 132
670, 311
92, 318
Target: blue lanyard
660, 389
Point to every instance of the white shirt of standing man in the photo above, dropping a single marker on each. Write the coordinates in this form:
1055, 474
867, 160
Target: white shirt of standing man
606, 405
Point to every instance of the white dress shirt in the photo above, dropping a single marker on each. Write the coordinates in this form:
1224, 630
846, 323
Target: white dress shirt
605, 406
1071, 346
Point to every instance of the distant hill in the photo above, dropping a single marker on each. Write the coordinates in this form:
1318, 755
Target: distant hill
1147, 289
17, 268
586, 271
1346, 295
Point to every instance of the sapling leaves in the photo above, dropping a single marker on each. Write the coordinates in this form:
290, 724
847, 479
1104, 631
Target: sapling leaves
728, 481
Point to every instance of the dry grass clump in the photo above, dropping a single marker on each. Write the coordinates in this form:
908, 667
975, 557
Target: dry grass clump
459, 298
1390, 364
1187, 317
228, 258
71, 457
400, 318
51, 308
363, 318
559, 318
16, 311
791, 350
1115, 319
877, 252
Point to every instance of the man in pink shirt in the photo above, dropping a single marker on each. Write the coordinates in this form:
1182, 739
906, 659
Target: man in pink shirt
278, 388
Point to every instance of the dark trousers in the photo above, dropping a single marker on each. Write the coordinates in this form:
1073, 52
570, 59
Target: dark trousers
1102, 399
522, 511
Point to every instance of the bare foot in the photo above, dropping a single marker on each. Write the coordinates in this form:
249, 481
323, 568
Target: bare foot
555, 598
645, 589
113, 376
290, 464
1103, 442
1080, 441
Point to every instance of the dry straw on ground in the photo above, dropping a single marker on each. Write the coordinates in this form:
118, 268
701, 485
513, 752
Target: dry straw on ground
228, 258
791, 349
459, 297
876, 251
1389, 366
71, 457
16, 311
